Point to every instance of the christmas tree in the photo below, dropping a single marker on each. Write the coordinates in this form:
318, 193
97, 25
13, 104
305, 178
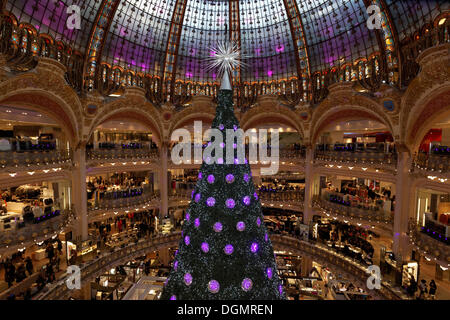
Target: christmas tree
225, 252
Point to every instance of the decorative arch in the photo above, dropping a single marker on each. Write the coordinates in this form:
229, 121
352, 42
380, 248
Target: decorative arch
345, 104
189, 115
344, 113
123, 109
275, 114
427, 97
437, 107
49, 96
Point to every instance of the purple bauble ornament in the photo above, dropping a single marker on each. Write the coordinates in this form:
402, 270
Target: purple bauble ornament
240, 226
247, 284
211, 202
213, 286
230, 203
228, 249
211, 179
205, 247
218, 227
229, 178
188, 279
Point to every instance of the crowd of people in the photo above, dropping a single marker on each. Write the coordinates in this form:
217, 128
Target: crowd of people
144, 221
342, 237
363, 196
422, 291
117, 187
18, 268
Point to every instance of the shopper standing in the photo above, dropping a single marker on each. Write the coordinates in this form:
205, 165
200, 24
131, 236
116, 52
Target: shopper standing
433, 289
423, 289
29, 265
50, 252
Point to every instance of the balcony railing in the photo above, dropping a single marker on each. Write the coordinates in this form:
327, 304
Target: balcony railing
351, 267
371, 215
428, 245
287, 195
34, 159
362, 158
108, 260
128, 154
107, 203
35, 231
432, 163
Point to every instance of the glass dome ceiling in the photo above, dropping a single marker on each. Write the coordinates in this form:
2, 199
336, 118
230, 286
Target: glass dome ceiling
284, 38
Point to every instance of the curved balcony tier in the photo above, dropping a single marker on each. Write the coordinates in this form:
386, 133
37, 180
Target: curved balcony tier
354, 215
107, 260
33, 160
368, 159
432, 165
38, 230
428, 244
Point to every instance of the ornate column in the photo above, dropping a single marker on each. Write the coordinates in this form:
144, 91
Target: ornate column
306, 266
163, 183
3, 73
309, 184
79, 192
403, 204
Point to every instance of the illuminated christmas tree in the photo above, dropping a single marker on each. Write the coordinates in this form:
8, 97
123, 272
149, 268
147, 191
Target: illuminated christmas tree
225, 252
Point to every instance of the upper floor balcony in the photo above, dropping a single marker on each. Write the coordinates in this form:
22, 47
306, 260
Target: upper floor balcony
370, 215
365, 158
33, 160
121, 198
122, 154
433, 163
431, 241
16, 230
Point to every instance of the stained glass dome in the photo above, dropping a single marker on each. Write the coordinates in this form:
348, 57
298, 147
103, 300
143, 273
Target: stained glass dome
170, 38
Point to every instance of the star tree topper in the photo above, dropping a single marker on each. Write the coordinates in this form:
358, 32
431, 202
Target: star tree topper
226, 57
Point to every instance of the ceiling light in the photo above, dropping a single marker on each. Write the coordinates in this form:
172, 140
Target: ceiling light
30, 173
13, 174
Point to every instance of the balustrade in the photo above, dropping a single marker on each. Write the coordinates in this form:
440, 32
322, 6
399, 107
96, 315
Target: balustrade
145, 195
107, 260
369, 158
125, 154
9, 159
432, 163
379, 215
429, 244
37, 230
